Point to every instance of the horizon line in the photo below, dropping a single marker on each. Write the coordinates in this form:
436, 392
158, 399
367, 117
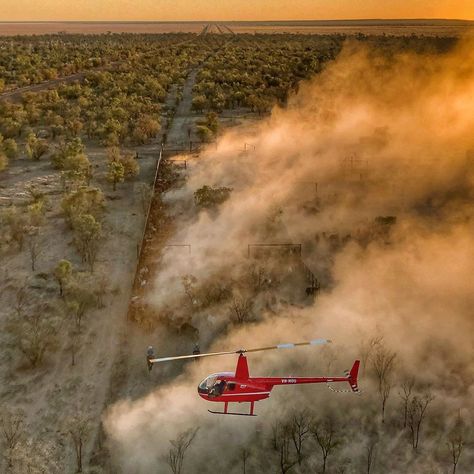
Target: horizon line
435, 19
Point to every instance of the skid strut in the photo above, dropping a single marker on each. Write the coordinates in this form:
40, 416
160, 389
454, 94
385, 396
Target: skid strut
227, 412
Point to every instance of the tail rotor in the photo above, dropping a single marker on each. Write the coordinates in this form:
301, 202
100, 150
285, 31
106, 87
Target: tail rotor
351, 377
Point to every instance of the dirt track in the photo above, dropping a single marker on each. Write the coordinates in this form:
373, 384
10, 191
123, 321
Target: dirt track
129, 377
16, 94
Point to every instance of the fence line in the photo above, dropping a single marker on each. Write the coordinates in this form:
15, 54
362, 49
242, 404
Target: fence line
147, 216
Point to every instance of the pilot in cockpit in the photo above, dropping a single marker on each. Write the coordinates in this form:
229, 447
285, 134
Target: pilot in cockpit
212, 386
217, 389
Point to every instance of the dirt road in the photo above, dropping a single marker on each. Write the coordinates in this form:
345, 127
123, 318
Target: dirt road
16, 94
128, 376
181, 129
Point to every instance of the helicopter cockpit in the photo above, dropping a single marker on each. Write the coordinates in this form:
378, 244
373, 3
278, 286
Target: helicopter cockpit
212, 386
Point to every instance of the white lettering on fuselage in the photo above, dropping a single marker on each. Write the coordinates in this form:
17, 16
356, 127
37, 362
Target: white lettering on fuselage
288, 380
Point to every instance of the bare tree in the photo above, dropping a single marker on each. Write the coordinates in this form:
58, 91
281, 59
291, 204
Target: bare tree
213, 292
74, 342
241, 309
62, 273
407, 388
78, 428
370, 452
281, 442
12, 427
325, 434
80, 300
258, 278
383, 362
101, 288
416, 415
189, 286
37, 456
35, 249
329, 355
456, 439
35, 334
87, 235
300, 424
178, 449
367, 348
16, 222
21, 299
244, 456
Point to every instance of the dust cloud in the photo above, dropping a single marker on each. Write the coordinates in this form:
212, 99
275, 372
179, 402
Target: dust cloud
372, 135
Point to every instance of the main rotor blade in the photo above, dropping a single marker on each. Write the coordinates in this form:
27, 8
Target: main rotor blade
289, 345
192, 356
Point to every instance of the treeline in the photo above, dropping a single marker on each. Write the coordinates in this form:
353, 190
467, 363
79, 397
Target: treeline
257, 71
26, 60
120, 105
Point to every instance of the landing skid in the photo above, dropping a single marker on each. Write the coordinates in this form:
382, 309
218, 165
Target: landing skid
230, 413
225, 412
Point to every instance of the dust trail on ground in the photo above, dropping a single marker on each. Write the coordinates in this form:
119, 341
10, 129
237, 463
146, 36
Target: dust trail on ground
381, 137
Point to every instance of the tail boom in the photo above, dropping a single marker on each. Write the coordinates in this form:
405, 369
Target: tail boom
350, 377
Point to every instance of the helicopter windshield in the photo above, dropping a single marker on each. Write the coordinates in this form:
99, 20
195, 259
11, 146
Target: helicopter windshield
208, 382
212, 386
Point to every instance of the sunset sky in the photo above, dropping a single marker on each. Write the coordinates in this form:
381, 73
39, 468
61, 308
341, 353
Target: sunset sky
18, 10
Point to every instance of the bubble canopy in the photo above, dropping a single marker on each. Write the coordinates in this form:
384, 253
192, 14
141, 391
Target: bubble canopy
214, 385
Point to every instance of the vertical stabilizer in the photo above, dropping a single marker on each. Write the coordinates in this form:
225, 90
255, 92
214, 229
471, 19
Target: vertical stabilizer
352, 377
242, 370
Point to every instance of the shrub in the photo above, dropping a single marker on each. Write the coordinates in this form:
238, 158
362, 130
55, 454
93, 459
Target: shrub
35, 147
211, 197
3, 162
85, 200
116, 173
87, 233
10, 148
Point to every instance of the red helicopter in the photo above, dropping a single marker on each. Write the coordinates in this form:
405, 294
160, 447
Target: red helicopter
239, 387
